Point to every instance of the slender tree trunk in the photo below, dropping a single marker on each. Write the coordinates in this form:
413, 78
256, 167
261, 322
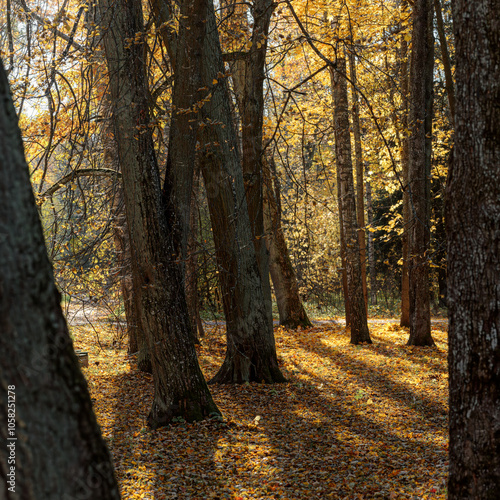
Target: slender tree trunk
138, 343
473, 229
251, 114
192, 265
248, 78
188, 96
371, 246
405, 276
450, 91
180, 389
358, 154
419, 172
343, 257
291, 310
46, 421
347, 205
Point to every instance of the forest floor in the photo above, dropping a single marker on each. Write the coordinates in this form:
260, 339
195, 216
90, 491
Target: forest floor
353, 422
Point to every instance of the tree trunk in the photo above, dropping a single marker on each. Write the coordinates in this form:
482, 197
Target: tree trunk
347, 205
138, 343
251, 350
358, 154
371, 246
473, 229
422, 60
251, 115
54, 447
443, 43
192, 265
343, 257
405, 276
180, 389
291, 310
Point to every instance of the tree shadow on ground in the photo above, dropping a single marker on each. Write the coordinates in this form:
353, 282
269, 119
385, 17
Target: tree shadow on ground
342, 427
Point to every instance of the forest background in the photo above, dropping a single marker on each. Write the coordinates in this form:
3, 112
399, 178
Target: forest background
276, 90
58, 75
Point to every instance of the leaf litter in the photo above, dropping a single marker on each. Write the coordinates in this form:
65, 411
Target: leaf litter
352, 422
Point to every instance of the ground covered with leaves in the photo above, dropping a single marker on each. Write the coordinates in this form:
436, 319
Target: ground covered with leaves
353, 422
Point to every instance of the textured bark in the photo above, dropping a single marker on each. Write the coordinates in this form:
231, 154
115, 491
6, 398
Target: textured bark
358, 155
272, 254
422, 60
343, 257
473, 230
137, 341
180, 389
187, 98
347, 205
291, 310
251, 351
405, 276
249, 85
445, 54
371, 246
59, 449
191, 279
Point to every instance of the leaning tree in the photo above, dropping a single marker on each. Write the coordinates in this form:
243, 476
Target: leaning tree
54, 442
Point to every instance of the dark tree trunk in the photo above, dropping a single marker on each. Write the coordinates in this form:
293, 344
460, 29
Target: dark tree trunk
58, 448
343, 257
192, 265
360, 184
445, 54
251, 351
187, 98
371, 246
405, 276
422, 60
473, 229
137, 341
291, 310
250, 86
347, 205
180, 389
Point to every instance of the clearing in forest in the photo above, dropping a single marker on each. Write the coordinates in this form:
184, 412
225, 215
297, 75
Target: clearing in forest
353, 422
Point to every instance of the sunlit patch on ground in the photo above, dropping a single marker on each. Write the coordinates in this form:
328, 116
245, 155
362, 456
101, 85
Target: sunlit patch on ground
353, 422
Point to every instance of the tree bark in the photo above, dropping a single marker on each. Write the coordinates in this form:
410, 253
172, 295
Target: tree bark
358, 155
343, 257
371, 246
180, 389
422, 60
192, 264
473, 230
251, 351
250, 86
445, 54
405, 276
291, 310
59, 451
347, 205
137, 341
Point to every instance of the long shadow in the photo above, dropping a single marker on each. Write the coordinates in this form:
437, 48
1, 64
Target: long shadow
357, 369
314, 439
164, 463
326, 446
